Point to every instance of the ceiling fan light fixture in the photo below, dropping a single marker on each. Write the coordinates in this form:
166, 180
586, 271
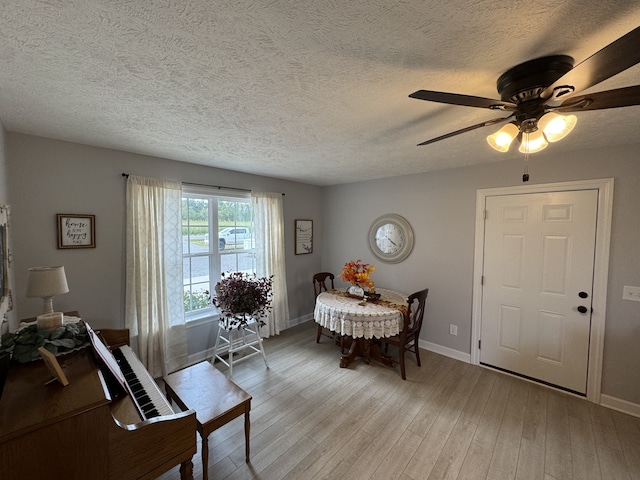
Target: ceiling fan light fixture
556, 127
502, 139
533, 142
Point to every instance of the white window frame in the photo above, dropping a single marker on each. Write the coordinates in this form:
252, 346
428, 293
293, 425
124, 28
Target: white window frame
213, 195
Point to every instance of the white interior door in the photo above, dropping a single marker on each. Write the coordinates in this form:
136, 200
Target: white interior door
537, 285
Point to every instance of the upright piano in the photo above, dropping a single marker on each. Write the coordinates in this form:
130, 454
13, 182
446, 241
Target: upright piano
82, 431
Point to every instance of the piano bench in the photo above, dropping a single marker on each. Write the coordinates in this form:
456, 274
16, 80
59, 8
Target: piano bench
215, 398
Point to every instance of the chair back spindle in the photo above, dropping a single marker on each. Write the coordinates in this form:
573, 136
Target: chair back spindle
415, 312
321, 282
407, 340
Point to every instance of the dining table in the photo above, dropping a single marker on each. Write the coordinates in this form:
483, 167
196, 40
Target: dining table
363, 320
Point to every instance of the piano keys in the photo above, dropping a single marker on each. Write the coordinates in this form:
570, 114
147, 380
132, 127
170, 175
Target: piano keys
148, 398
127, 374
81, 431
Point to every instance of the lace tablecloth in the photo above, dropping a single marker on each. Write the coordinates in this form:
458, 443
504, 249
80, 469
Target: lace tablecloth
348, 316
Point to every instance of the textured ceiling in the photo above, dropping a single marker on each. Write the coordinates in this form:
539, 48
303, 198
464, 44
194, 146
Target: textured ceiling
313, 91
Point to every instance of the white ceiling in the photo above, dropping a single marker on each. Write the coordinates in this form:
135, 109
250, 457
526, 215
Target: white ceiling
313, 91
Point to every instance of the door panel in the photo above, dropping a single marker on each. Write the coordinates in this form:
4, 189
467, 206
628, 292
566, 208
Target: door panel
538, 255
555, 260
551, 337
510, 320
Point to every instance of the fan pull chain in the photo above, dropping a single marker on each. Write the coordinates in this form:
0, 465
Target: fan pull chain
525, 175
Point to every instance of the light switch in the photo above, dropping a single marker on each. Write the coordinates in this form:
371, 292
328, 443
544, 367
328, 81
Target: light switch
631, 293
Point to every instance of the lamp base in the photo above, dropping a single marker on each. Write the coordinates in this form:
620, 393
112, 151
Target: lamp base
48, 304
50, 321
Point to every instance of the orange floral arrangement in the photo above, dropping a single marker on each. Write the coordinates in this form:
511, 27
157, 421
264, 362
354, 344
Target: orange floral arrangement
358, 272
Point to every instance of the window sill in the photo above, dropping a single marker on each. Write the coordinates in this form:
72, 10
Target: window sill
202, 320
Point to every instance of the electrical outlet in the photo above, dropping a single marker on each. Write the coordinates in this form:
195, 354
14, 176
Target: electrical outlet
453, 329
631, 293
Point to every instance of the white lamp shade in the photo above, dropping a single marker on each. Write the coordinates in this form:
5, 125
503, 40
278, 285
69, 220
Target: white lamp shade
533, 142
556, 127
502, 139
46, 282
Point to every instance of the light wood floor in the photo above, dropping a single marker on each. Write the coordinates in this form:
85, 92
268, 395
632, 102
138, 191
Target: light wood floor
311, 419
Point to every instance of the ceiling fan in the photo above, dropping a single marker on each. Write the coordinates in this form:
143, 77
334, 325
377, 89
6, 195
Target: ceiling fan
539, 93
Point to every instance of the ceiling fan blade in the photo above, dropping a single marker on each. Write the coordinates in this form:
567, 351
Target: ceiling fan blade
611, 60
619, 97
466, 129
463, 100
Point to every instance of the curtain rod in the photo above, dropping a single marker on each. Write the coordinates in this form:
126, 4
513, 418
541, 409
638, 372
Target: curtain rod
219, 187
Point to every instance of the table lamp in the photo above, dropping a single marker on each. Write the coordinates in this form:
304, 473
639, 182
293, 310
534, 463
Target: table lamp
46, 282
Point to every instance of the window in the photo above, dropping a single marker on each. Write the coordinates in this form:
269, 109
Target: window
217, 236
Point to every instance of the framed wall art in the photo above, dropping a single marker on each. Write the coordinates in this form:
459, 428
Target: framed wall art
304, 236
76, 231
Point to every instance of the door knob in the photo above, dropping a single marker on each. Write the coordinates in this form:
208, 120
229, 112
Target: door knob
583, 294
582, 309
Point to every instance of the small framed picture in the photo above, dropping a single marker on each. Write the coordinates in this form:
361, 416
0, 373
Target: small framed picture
54, 367
304, 236
76, 231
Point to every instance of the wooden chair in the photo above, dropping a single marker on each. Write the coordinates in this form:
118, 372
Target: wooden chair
320, 281
407, 340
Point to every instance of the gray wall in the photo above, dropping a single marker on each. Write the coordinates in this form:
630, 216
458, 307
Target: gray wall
441, 208
46, 177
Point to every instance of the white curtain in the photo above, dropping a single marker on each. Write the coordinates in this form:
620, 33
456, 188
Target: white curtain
268, 221
154, 311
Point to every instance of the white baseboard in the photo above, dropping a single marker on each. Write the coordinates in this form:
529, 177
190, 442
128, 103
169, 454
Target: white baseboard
608, 401
300, 320
620, 405
446, 351
200, 357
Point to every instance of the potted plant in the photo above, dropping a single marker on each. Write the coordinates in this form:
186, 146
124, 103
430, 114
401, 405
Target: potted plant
358, 274
242, 298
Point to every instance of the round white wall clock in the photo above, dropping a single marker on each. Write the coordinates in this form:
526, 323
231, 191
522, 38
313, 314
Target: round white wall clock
391, 238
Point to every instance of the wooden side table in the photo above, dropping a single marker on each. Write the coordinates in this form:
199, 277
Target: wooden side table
215, 398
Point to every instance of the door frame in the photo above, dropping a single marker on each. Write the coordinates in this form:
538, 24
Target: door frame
600, 268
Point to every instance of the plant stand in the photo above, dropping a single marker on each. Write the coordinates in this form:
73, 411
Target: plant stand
237, 340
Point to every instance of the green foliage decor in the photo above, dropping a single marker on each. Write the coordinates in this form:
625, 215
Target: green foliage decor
242, 297
23, 344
